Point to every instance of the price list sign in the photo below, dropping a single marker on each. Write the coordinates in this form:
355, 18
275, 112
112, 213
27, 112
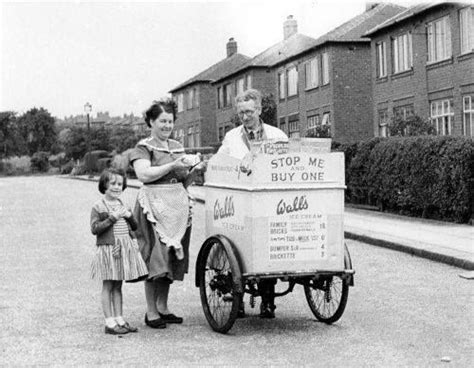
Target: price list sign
297, 237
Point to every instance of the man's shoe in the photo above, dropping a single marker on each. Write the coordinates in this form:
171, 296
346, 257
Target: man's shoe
129, 328
155, 323
116, 330
267, 311
170, 318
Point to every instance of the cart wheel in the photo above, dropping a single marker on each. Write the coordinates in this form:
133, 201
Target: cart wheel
219, 283
327, 296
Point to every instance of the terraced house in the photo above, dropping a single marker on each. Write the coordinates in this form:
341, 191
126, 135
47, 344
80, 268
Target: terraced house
423, 64
195, 124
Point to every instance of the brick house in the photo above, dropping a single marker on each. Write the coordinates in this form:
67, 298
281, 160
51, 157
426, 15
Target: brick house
195, 124
423, 64
328, 85
257, 73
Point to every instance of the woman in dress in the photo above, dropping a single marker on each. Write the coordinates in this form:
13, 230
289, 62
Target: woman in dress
162, 209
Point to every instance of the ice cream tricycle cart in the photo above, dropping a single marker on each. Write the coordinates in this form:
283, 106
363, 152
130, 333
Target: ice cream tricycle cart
279, 217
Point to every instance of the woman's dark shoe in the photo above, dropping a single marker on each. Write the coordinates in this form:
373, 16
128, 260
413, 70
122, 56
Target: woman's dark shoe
170, 318
155, 323
116, 330
129, 328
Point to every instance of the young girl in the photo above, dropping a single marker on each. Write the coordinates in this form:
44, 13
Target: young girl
117, 256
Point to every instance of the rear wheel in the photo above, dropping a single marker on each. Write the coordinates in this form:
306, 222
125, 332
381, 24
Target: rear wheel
327, 295
219, 278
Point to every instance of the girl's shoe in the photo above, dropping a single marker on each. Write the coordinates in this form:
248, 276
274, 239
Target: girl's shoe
129, 328
155, 323
170, 318
116, 330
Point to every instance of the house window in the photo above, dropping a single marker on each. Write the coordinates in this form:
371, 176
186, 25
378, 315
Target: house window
180, 102
196, 98
190, 102
197, 136
383, 123
325, 68
312, 74
190, 136
239, 86
466, 20
326, 119
249, 81
227, 95
381, 50
220, 97
468, 116
292, 81
442, 116
281, 85
312, 121
180, 135
439, 39
402, 53
293, 126
282, 125
403, 112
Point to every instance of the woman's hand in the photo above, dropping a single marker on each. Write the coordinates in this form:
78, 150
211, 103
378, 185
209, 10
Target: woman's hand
181, 163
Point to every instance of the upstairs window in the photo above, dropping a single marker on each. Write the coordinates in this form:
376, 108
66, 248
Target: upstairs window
292, 81
381, 51
190, 102
402, 53
248, 81
220, 97
466, 20
227, 95
180, 102
281, 86
239, 86
325, 68
439, 40
312, 74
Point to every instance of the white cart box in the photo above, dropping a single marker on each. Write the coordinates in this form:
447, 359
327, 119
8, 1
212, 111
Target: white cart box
286, 216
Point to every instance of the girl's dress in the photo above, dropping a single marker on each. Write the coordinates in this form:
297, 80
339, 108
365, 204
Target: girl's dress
129, 265
163, 214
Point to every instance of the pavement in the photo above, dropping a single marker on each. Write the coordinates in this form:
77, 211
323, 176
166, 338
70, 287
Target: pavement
438, 241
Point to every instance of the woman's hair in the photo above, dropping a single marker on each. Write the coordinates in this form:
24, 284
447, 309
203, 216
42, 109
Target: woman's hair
107, 175
250, 95
164, 105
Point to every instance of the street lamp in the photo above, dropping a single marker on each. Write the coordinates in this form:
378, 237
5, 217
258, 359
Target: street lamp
87, 110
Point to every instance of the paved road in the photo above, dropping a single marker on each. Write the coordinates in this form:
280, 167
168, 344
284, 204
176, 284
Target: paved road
403, 311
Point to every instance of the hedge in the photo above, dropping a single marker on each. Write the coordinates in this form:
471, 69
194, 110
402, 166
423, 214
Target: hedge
425, 176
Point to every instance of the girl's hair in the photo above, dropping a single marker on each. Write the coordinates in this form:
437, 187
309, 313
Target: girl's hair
157, 108
107, 175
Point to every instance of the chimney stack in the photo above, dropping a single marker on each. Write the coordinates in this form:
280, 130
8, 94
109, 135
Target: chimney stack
369, 5
231, 47
290, 27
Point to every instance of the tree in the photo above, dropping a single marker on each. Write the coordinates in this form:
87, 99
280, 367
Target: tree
410, 126
11, 142
37, 129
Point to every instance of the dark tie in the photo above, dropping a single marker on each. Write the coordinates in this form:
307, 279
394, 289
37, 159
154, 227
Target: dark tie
251, 136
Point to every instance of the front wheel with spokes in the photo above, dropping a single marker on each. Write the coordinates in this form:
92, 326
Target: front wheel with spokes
219, 284
327, 295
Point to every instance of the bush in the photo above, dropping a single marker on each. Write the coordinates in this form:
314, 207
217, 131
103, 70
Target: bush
40, 161
15, 165
57, 160
122, 162
425, 176
67, 167
91, 160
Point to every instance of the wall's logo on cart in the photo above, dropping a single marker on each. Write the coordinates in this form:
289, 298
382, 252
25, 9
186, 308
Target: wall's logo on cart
299, 203
224, 210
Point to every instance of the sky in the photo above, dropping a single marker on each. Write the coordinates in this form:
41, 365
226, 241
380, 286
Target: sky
120, 56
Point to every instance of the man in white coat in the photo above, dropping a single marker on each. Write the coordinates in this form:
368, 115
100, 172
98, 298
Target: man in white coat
248, 106
236, 143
